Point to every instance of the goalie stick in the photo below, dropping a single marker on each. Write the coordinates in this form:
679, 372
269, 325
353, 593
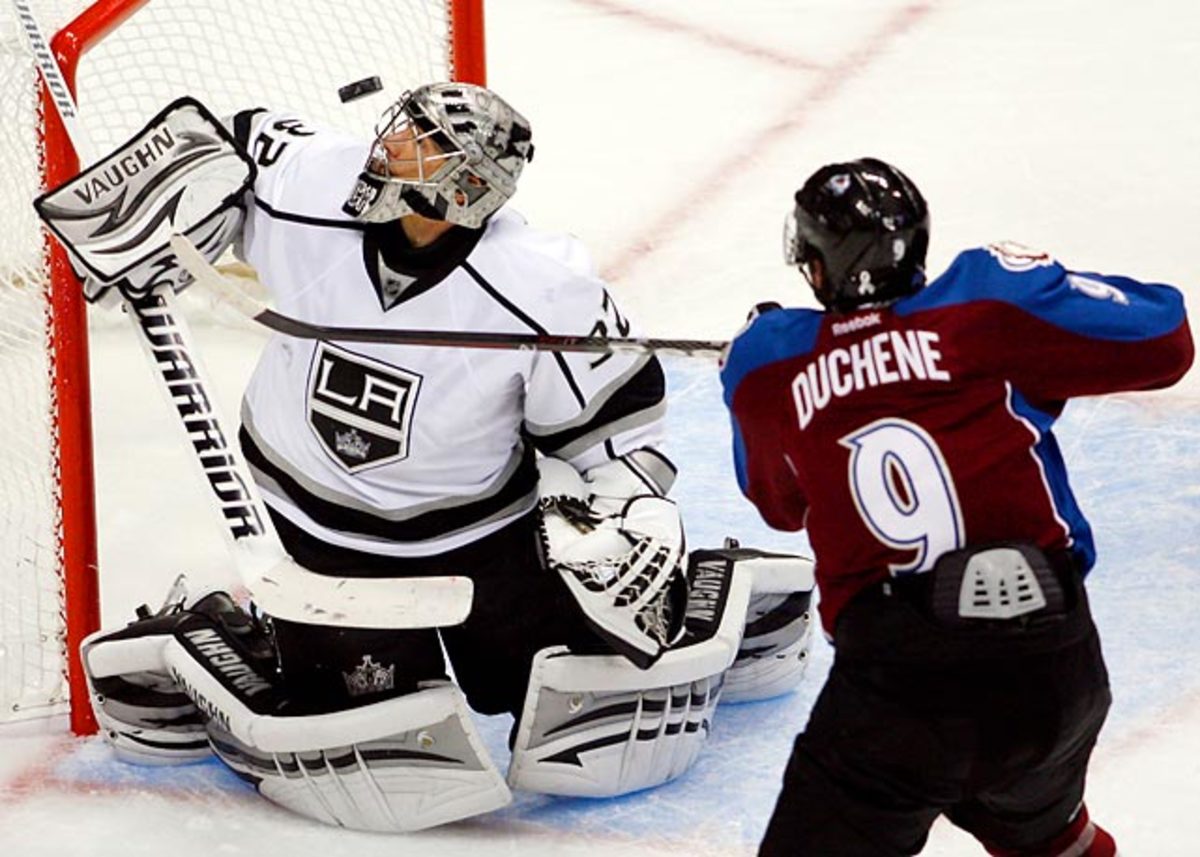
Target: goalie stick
278, 585
231, 295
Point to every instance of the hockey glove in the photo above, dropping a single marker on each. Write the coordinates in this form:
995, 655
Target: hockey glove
183, 173
623, 568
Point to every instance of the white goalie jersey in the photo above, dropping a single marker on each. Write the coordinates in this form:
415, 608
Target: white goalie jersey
404, 450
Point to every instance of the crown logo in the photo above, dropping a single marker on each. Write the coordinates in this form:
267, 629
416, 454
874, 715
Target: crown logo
370, 677
352, 444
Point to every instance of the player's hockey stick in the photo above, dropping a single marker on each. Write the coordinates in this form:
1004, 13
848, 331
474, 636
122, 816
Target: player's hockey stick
231, 295
277, 584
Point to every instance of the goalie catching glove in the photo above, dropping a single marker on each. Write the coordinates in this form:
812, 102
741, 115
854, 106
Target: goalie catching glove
621, 562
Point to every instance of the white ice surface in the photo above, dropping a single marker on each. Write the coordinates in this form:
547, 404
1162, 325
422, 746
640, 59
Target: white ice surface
670, 137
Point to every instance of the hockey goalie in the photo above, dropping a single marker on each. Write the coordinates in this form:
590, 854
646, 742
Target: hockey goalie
541, 477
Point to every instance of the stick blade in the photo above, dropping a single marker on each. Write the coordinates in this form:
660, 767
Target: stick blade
290, 591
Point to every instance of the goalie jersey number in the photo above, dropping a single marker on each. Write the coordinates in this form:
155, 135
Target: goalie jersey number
360, 409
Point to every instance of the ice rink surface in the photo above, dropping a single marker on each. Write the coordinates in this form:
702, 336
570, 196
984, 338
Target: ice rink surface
670, 137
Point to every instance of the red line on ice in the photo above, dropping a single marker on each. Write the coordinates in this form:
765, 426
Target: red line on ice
711, 38
829, 82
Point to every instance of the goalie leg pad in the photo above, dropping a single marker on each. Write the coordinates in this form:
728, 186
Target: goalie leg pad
143, 715
400, 765
405, 763
773, 654
612, 741
146, 719
598, 726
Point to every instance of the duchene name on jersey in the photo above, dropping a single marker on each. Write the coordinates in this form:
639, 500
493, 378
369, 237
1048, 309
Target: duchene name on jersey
890, 357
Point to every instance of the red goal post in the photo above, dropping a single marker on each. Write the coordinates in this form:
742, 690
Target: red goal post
124, 60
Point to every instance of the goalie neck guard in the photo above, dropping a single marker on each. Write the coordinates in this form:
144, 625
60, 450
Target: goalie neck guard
446, 151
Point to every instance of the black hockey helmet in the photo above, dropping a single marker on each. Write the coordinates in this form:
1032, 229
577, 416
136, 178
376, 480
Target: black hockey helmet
869, 226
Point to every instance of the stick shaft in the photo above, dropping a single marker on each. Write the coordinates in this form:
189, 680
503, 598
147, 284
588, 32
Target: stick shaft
231, 295
53, 77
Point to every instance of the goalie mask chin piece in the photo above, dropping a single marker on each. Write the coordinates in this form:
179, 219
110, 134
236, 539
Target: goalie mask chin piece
446, 151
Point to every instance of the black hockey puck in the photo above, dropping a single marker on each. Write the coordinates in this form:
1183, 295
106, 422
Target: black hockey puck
359, 89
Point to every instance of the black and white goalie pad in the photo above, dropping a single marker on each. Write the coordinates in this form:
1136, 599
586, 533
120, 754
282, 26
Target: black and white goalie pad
597, 726
170, 685
143, 714
181, 174
623, 567
773, 654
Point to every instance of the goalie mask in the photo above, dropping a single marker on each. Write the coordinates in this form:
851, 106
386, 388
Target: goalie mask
446, 151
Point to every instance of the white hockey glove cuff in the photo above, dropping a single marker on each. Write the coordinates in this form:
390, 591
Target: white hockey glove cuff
622, 567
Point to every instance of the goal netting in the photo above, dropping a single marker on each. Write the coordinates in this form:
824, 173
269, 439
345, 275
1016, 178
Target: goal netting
129, 59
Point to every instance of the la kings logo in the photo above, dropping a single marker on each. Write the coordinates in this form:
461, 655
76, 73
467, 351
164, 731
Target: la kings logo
360, 409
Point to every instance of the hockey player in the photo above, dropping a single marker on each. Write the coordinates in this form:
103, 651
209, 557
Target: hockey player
907, 428
393, 461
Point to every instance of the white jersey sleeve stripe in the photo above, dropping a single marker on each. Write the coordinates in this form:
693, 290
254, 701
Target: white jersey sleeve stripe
599, 400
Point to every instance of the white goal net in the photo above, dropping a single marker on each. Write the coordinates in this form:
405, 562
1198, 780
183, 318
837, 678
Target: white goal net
231, 55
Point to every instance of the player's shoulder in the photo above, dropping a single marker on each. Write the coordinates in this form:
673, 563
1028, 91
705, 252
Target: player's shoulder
511, 236
771, 334
533, 266
997, 269
1005, 271
305, 168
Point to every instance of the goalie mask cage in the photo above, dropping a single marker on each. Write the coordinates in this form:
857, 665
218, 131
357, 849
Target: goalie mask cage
126, 60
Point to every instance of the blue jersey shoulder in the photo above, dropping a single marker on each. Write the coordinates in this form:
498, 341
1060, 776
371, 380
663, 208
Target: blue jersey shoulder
1100, 306
775, 335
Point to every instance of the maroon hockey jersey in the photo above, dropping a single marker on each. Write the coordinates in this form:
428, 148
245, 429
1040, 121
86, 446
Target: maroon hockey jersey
897, 433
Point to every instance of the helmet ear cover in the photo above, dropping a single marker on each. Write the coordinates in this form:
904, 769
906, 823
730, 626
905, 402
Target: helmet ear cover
869, 226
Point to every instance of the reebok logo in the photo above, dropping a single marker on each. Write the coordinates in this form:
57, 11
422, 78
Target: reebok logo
860, 322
